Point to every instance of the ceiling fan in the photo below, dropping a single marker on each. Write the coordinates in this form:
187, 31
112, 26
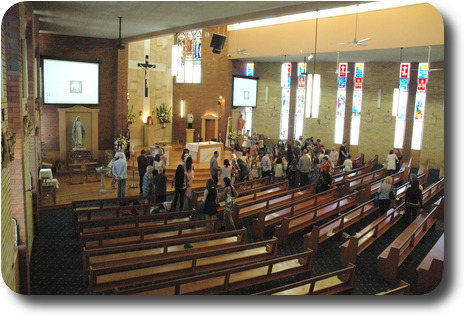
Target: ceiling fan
356, 41
239, 51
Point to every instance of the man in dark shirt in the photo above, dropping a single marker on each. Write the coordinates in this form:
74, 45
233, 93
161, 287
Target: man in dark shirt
160, 181
214, 167
343, 153
142, 163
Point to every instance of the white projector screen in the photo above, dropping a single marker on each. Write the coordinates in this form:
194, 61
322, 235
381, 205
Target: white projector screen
244, 91
70, 82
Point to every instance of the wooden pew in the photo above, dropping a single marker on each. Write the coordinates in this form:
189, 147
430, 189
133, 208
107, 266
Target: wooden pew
430, 270
341, 168
368, 192
432, 190
98, 224
341, 178
402, 289
228, 280
323, 232
242, 188
367, 236
86, 206
276, 214
144, 234
246, 208
362, 180
138, 273
395, 254
297, 222
117, 255
332, 283
373, 162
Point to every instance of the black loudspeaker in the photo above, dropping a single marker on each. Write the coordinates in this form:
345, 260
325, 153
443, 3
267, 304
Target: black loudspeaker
217, 42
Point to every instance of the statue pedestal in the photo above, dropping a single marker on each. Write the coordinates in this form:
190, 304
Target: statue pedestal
189, 135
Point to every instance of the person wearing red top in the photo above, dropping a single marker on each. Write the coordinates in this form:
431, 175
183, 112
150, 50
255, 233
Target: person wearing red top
325, 166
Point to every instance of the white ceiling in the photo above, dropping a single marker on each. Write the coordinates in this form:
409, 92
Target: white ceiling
145, 19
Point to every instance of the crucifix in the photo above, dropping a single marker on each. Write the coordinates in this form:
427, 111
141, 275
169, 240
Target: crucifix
146, 67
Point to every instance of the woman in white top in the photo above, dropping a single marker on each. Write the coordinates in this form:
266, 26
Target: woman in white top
391, 162
226, 170
348, 164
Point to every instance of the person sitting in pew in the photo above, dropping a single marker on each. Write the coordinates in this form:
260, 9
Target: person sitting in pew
413, 202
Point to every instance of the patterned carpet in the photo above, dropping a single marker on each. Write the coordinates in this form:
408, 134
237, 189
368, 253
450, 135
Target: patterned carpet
56, 263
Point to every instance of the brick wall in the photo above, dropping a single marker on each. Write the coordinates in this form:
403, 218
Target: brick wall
376, 135
73, 47
201, 99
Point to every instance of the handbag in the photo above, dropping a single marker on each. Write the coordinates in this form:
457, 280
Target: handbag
376, 199
391, 195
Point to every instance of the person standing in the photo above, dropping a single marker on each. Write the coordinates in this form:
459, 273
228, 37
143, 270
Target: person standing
210, 200
390, 162
266, 164
343, 153
226, 170
386, 194
400, 159
147, 188
142, 163
240, 124
278, 169
348, 164
229, 194
189, 168
304, 166
214, 167
120, 174
413, 202
180, 185
160, 181
334, 155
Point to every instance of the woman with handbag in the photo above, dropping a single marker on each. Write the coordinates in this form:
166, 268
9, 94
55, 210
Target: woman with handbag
229, 194
386, 193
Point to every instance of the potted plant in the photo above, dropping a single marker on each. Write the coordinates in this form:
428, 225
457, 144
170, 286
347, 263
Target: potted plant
164, 114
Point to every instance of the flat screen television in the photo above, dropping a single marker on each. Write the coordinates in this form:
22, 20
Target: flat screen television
244, 91
67, 81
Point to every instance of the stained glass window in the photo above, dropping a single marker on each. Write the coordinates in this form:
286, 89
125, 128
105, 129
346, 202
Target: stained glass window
189, 70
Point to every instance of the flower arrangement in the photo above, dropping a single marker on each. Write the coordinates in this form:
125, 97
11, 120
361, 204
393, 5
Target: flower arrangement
131, 116
233, 135
163, 113
124, 140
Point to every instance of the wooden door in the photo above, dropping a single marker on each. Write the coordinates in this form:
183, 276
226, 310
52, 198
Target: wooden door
209, 129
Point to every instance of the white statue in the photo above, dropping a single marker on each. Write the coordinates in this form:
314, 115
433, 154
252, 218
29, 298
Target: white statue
78, 132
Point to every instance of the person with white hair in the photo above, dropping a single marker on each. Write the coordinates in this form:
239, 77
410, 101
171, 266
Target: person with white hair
120, 174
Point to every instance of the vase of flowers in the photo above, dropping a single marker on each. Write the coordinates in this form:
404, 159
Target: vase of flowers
232, 137
121, 140
131, 116
164, 114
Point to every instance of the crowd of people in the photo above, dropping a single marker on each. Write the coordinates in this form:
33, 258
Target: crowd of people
299, 162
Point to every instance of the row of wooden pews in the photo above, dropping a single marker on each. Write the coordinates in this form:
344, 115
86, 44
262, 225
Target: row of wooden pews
394, 255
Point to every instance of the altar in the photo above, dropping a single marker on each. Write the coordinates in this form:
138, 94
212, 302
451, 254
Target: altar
203, 151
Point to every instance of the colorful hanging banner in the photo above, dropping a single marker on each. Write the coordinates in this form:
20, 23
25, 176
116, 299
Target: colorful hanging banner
423, 70
404, 70
250, 69
342, 70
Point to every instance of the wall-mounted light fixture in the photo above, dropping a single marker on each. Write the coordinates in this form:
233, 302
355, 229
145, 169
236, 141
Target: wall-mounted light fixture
220, 100
182, 108
379, 98
266, 94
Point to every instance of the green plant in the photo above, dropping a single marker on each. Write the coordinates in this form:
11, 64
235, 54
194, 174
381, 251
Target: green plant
163, 113
124, 140
131, 116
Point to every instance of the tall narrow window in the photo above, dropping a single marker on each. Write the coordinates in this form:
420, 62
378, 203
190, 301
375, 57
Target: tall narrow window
300, 101
357, 103
248, 112
341, 103
285, 107
189, 53
419, 106
401, 103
